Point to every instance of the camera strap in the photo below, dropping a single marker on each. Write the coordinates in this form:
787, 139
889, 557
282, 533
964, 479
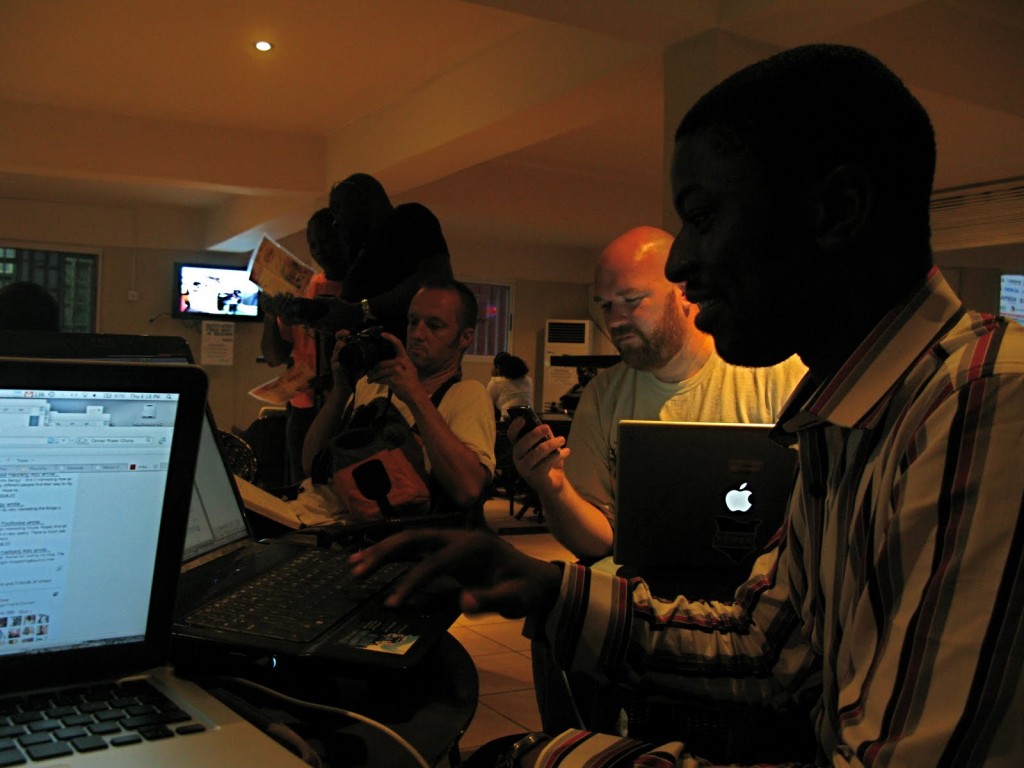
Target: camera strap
439, 394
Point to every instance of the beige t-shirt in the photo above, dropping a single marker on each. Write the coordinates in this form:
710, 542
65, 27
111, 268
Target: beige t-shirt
718, 392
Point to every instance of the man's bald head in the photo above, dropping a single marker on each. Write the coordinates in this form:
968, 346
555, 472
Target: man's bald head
641, 250
648, 318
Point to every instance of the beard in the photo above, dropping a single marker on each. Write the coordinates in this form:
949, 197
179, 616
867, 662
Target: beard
651, 351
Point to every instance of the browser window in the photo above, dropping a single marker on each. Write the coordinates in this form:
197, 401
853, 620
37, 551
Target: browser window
70, 462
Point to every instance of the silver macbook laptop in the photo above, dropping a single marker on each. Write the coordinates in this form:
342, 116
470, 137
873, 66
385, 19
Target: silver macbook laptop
96, 462
698, 499
330, 618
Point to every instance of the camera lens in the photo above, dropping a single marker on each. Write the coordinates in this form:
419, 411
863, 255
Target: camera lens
362, 352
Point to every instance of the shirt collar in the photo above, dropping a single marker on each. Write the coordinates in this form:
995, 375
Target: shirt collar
853, 395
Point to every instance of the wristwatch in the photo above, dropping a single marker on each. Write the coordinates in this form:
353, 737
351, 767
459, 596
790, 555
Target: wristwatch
367, 313
511, 758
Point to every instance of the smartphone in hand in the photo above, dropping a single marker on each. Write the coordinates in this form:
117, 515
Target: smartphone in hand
526, 413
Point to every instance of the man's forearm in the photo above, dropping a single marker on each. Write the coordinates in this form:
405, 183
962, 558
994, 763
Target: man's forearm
453, 464
577, 524
326, 423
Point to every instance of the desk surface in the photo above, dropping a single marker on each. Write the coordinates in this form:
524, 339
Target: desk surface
430, 706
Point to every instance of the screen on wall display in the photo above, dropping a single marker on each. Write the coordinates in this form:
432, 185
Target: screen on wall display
212, 292
1011, 297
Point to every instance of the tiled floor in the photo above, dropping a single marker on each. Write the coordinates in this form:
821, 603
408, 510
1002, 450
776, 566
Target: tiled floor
501, 653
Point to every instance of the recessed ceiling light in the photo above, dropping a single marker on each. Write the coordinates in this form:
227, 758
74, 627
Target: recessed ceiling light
263, 45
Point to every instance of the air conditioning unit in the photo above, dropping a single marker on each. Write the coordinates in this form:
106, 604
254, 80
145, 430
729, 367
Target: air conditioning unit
567, 337
564, 337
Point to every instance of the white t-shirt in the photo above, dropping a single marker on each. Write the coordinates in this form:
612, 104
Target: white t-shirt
505, 392
466, 409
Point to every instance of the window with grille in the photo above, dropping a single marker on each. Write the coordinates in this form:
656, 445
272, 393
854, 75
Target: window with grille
70, 277
492, 331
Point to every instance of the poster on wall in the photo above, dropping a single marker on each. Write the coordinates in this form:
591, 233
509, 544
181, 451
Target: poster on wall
1011, 297
218, 345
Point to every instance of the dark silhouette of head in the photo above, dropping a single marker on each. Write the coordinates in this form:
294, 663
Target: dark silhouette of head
325, 246
359, 204
510, 366
803, 184
26, 306
809, 110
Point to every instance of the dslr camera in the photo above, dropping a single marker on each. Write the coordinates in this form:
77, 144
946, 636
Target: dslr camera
364, 350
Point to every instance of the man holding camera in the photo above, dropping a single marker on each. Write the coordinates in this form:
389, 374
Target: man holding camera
457, 432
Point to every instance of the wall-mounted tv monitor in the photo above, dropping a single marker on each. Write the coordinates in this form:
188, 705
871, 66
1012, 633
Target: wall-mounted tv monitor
210, 292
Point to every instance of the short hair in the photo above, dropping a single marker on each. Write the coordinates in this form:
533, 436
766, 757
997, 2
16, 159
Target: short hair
805, 111
362, 187
322, 221
469, 310
27, 306
512, 367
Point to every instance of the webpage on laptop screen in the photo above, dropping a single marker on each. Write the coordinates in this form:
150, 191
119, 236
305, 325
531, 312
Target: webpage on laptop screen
82, 479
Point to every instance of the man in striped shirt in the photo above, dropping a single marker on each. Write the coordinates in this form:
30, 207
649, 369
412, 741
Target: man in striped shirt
803, 184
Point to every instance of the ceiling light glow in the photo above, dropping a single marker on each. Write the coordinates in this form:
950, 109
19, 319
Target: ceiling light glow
263, 45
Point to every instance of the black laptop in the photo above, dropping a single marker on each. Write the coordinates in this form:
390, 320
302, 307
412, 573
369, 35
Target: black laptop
96, 460
248, 599
696, 503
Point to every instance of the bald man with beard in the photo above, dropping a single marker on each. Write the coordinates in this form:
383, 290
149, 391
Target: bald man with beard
669, 372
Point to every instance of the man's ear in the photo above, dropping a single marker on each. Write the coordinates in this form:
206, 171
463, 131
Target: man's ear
466, 338
844, 204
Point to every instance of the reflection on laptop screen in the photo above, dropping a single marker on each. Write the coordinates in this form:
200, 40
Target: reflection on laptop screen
70, 461
214, 517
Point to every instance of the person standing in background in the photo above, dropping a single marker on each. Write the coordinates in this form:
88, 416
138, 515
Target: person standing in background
393, 250
287, 339
509, 384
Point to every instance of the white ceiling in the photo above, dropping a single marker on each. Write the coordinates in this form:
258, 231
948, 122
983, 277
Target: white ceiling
535, 120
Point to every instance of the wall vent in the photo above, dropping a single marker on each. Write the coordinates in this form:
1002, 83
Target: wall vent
567, 332
975, 216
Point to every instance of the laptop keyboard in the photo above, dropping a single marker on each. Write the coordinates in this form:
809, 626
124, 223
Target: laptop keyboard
296, 601
87, 719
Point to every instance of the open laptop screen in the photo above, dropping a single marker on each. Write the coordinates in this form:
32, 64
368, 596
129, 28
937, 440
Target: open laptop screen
70, 460
216, 520
215, 516
96, 463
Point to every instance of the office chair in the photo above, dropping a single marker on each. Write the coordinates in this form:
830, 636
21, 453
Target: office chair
239, 455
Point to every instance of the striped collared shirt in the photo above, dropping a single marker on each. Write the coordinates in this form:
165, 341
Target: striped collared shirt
899, 582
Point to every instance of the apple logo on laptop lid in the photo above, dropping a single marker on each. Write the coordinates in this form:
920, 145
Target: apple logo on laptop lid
738, 499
